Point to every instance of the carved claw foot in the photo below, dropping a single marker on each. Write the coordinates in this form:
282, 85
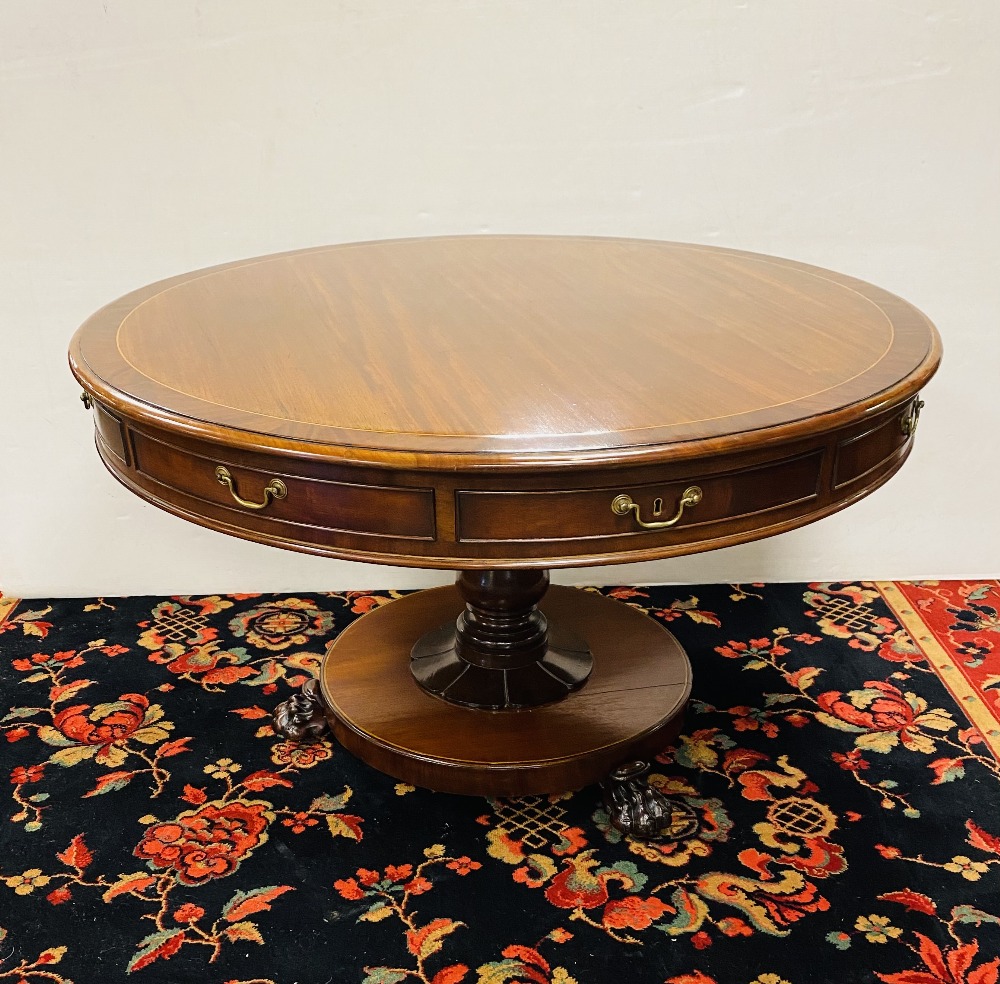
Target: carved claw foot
636, 808
303, 715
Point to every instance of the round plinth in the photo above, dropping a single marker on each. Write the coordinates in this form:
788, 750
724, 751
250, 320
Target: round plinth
631, 706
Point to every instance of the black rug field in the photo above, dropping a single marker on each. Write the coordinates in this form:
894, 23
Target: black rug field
837, 816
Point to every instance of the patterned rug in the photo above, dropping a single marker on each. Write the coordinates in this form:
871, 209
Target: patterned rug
835, 793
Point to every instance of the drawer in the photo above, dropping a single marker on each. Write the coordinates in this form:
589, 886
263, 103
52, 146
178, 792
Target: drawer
378, 510
111, 434
862, 456
574, 514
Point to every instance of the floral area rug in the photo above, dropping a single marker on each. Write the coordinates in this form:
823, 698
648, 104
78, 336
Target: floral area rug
836, 800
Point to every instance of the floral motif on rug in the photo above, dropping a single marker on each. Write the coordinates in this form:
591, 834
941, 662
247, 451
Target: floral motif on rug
833, 806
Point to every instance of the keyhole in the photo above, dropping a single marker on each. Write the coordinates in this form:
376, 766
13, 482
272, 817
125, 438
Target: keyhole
657, 507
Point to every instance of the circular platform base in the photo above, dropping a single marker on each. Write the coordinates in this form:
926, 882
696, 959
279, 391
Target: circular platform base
631, 707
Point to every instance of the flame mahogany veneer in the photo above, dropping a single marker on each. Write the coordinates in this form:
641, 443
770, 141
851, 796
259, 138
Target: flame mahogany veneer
478, 403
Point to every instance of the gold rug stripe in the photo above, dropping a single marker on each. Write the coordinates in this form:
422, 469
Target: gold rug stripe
7, 605
968, 698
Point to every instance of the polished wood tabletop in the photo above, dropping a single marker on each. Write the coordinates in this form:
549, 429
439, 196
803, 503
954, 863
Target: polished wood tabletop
512, 346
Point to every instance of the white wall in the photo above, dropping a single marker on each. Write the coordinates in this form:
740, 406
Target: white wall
139, 139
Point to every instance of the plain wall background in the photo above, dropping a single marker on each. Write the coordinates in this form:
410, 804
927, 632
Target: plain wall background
141, 139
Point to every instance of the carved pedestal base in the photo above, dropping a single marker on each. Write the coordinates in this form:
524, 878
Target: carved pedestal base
303, 715
629, 707
501, 653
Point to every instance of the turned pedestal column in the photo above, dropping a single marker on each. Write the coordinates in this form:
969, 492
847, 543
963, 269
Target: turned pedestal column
501, 653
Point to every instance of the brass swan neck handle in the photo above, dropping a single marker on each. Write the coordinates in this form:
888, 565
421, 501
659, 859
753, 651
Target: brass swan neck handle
622, 505
275, 489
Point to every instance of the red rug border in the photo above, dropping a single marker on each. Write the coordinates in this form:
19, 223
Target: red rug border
949, 670
7, 606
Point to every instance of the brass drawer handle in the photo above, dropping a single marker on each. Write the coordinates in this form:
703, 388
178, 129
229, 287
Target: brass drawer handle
274, 489
908, 422
87, 400
623, 505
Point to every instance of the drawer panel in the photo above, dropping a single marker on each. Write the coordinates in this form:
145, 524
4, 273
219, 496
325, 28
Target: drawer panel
861, 455
570, 514
111, 433
380, 510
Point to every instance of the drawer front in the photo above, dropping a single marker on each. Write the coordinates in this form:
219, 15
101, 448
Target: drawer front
861, 456
376, 510
576, 514
111, 434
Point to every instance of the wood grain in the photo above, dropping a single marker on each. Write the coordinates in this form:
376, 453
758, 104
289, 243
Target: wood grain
631, 705
512, 346
483, 520
478, 402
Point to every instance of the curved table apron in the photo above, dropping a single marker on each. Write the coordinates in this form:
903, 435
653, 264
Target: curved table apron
502, 406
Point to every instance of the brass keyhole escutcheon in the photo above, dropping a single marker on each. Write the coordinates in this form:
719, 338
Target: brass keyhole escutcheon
622, 505
275, 489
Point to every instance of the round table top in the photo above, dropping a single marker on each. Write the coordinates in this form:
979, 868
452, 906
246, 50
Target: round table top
512, 347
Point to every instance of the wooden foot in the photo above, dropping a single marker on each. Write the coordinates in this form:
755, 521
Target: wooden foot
501, 653
630, 706
636, 808
303, 715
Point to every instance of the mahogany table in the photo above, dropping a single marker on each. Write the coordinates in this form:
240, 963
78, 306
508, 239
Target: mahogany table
502, 406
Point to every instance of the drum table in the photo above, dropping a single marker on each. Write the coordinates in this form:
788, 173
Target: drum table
501, 406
